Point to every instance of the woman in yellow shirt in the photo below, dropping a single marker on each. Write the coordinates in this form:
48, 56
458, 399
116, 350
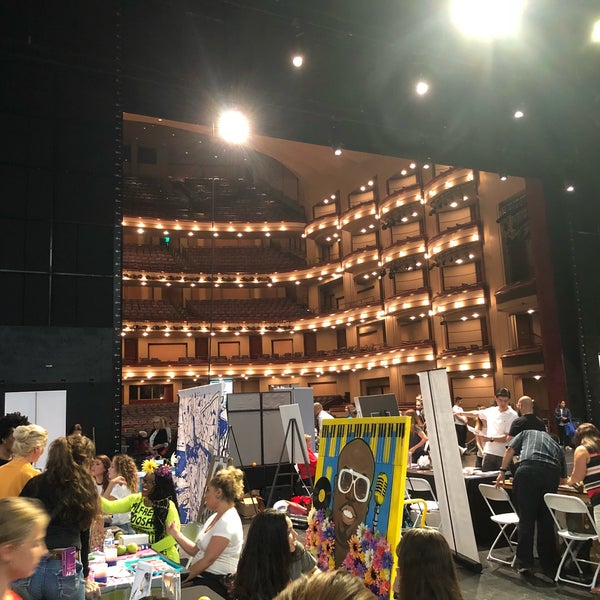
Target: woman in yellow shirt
29, 444
152, 510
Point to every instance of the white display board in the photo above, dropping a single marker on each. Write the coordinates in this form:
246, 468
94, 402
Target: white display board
455, 512
48, 409
290, 412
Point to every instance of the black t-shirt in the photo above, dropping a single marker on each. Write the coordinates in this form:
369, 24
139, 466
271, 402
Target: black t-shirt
3, 462
526, 422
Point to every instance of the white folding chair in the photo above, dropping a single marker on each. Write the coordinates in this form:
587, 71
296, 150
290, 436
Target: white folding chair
507, 521
190, 530
417, 487
560, 504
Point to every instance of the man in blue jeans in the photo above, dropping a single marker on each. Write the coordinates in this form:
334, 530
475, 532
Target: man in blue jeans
542, 467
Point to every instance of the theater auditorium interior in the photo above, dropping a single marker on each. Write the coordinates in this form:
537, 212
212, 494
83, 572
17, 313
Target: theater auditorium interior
364, 232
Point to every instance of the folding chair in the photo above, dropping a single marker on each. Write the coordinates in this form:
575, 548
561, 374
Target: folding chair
191, 531
559, 503
416, 487
507, 521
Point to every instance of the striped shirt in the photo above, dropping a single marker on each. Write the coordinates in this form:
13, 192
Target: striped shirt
538, 446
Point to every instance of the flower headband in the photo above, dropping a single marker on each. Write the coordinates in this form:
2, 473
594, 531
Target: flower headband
150, 466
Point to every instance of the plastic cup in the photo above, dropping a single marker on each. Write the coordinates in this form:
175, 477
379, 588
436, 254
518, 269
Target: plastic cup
110, 555
100, 571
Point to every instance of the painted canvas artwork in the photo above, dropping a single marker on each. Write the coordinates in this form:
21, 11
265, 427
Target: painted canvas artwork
200, 436
356, 519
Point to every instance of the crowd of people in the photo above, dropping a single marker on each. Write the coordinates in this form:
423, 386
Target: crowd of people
79, 488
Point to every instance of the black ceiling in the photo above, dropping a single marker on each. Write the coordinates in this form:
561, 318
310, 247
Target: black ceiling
181, 59
185, 58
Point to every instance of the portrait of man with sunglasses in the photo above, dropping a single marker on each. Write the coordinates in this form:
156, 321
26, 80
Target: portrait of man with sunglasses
351, 493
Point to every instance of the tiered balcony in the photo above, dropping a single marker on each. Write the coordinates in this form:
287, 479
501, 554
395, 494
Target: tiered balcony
458, 301
517, 297
362, 261
409, 303
360, 219
321, 228
473, 359
414, 246
456, 242
400, 204
453, 188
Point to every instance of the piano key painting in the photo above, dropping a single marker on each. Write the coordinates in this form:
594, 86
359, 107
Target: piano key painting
357, 510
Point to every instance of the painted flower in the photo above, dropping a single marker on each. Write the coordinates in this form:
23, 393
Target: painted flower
369, 556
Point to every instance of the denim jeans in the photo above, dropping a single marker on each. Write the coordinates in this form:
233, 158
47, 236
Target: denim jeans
48, 583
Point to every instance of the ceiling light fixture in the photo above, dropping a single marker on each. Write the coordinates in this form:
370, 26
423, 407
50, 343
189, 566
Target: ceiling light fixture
422, 88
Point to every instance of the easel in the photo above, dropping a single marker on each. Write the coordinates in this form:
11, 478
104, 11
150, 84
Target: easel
293, 430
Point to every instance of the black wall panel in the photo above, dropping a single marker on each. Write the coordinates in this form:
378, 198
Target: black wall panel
60, 207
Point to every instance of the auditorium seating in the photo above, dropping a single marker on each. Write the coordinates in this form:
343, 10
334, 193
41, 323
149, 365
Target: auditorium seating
240, 260
151, 310
150, 258
240, 200
250, 311
147, 197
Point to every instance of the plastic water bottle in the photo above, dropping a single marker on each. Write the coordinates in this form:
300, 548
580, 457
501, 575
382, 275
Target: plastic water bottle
110, 549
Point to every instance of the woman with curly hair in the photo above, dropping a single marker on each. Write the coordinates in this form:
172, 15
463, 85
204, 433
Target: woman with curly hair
152, 510
425, 569
123, 481
217, 548
67, 491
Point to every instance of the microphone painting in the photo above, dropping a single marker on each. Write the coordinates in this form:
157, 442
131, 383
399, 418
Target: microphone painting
360, 477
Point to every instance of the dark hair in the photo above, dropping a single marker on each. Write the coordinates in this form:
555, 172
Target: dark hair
106, 464
264, 566
68, 474
588, 436
426, 567
330, 585
503, 392
162, 492
11, 421
75, 427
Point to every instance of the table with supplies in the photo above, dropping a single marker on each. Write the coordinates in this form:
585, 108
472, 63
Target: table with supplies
134, 576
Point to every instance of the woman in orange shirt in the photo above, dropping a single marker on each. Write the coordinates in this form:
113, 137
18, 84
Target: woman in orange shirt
29, 444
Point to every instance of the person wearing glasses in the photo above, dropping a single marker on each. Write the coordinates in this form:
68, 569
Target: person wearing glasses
152, 510
351, 493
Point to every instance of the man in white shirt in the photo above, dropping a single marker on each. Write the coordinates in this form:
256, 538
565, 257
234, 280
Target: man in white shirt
498, 419
460, 423
320, 416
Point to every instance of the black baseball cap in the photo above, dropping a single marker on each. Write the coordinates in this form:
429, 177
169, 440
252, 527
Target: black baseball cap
502, 392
